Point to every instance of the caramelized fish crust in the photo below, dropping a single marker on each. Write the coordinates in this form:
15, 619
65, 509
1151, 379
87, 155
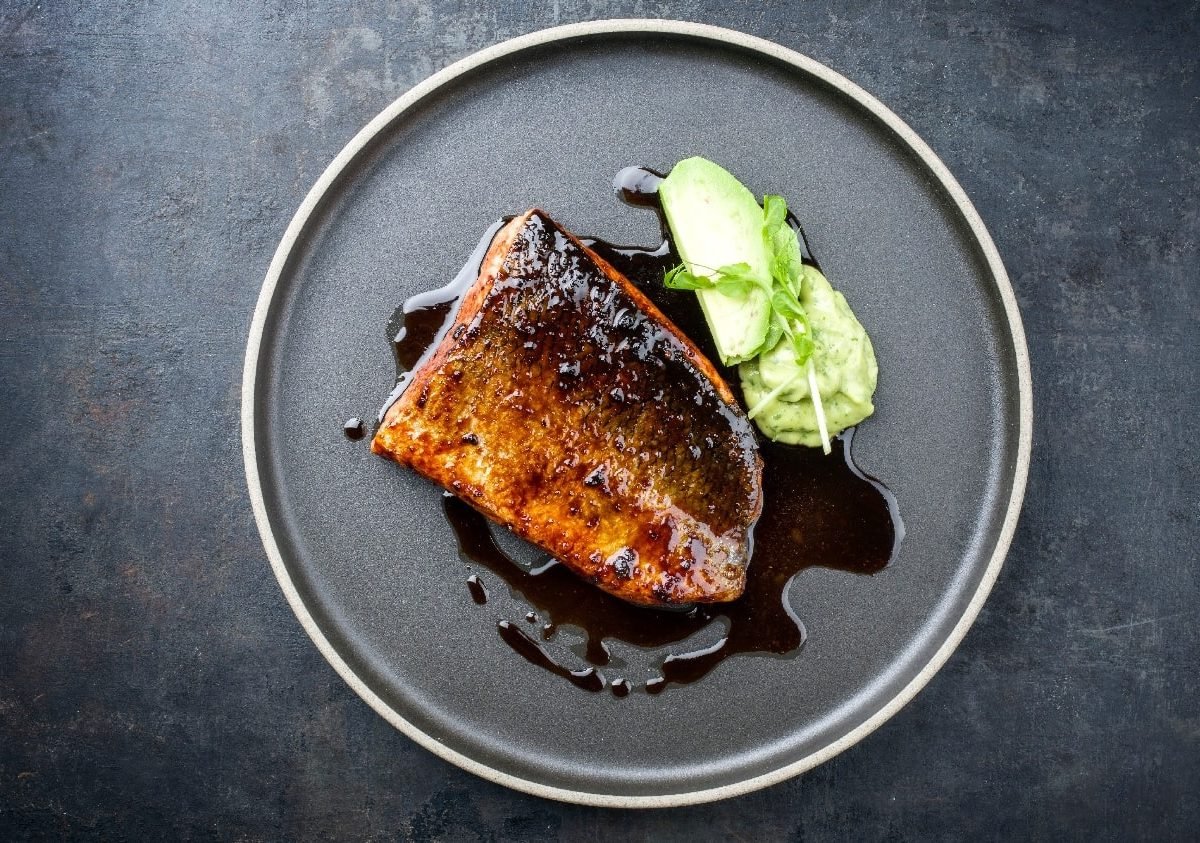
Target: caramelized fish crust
563, 404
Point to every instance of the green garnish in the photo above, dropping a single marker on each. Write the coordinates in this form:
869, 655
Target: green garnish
807, 366
788, 317
735, 279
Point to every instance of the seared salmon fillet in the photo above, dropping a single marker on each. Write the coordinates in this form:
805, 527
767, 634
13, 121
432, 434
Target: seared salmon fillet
563, 404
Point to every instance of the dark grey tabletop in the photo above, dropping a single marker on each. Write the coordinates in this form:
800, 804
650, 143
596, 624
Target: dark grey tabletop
154, 683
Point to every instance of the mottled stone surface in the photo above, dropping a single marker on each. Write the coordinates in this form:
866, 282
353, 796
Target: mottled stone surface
153, 682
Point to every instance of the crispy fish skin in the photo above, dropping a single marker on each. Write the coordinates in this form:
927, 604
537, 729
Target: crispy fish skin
563, 404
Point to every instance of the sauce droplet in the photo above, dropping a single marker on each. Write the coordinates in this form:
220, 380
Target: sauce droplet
588, 678
478, 594
638, 186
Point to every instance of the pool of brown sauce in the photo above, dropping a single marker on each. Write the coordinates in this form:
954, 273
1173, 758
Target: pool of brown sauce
819, 511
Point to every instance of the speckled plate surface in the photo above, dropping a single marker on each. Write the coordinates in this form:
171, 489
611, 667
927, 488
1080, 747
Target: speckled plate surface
359, 546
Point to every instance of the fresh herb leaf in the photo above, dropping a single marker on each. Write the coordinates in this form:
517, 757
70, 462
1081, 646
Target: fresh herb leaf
803, 347
774, 334
736, 273
786, 264
774, 212
678, 278
733, 279
787, 304
787, 273
787, 278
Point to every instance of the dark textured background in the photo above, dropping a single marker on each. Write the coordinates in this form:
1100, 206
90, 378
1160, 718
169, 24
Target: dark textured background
153, 682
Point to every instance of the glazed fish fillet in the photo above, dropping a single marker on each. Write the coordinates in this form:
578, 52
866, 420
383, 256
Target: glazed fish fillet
564, 405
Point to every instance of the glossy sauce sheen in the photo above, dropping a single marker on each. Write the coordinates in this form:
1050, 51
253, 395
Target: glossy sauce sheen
819, 511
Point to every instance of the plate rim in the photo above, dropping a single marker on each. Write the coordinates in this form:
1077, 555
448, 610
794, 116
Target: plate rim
705, 33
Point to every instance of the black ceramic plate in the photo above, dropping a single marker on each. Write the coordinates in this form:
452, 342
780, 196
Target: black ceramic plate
360, 546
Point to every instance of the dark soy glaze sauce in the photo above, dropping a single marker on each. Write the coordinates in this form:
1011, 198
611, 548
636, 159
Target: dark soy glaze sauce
354, 429
588, 678
819, 511
478, 592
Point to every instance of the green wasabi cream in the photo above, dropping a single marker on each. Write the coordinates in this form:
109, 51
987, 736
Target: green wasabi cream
844, 361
